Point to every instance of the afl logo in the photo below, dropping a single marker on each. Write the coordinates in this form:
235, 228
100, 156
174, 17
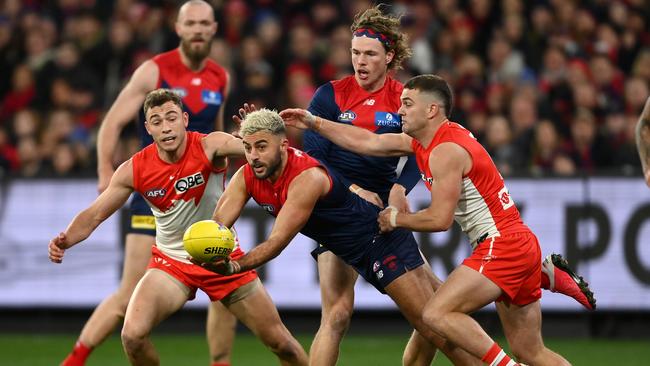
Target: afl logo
347, 116
156, 192
191, 181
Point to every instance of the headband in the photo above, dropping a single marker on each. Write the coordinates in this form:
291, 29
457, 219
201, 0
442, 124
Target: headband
367, 32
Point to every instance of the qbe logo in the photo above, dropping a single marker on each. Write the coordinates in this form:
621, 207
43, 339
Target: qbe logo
191, 181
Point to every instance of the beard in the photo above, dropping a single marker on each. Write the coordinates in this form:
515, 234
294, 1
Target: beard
271, 168
195, 55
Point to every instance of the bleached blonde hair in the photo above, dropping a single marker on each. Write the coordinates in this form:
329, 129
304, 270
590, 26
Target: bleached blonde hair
262, 120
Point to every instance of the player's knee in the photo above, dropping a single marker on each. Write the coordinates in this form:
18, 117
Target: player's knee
285, 347
132, 342
337, 318
434, 318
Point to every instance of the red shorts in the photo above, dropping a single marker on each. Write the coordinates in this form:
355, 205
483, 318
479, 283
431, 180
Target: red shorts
214, 285
514, 263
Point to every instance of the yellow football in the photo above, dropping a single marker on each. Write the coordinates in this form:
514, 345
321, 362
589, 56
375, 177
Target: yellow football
207, 241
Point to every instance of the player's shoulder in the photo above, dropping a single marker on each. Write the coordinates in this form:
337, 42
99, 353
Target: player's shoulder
167, 58
212, 65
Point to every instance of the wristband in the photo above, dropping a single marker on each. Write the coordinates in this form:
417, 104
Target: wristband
235, 267
318, 123
310, 119
393, 216
355, 189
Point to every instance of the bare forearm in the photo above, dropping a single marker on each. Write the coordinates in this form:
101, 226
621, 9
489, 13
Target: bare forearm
422, 221
81, 227
261, 254
348, 137
107, 139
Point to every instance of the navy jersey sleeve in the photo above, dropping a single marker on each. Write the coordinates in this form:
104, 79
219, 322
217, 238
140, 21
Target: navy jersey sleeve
324, 106
410, 174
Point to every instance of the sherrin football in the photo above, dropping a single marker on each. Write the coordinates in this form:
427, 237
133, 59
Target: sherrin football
208, 240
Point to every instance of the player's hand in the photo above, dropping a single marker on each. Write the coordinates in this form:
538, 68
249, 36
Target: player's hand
224, 266
299, 118
56, 248
384, 219
243, 112
370, 196
104, 178
647, 178
397, 198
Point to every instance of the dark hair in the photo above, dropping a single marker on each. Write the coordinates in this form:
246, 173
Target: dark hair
388, 26
158, 97
435, 85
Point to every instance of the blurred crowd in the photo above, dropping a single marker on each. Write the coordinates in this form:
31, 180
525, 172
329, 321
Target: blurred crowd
548, 87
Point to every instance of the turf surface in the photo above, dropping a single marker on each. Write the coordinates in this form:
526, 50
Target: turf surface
190, 349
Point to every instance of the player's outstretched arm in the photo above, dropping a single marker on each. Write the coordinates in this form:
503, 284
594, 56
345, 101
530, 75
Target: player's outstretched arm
643, 140
221, 145
124, 110
350, 137
232, 201
104, 206
447, 163
304, 192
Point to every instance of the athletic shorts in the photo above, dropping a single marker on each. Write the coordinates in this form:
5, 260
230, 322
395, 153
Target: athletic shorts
141, 220
320, 249
389, 256
512, 262
196, 277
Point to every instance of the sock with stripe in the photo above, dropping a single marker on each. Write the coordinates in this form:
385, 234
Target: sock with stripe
495, 356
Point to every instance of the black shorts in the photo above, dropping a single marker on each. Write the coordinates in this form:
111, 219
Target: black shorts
141, 220
320, 249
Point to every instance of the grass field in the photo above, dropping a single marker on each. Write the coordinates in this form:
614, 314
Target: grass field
190, 349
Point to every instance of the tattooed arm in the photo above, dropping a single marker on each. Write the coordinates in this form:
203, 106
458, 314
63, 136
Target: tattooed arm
643, 140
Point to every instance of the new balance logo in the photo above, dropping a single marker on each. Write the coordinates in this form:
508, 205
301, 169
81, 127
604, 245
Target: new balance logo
369, 102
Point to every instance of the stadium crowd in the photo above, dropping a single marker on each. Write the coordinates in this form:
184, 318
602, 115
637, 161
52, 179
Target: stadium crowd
548, 87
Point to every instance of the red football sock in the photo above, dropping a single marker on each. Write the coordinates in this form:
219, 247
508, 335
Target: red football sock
495, 356
220, 364
78, 356
546, 282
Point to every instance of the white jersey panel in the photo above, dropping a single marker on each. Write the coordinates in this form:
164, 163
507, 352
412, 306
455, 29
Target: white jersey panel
171, 225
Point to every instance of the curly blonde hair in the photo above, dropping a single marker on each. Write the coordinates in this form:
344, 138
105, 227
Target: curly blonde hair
375, 20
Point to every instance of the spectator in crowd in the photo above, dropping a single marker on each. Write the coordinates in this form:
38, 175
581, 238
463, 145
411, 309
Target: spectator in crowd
595, 56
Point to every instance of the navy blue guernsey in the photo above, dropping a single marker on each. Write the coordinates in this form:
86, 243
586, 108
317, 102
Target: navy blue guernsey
344, 101
343, 220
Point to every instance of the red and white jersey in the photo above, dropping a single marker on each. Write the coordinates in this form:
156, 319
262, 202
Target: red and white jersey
484, 206
179, 194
